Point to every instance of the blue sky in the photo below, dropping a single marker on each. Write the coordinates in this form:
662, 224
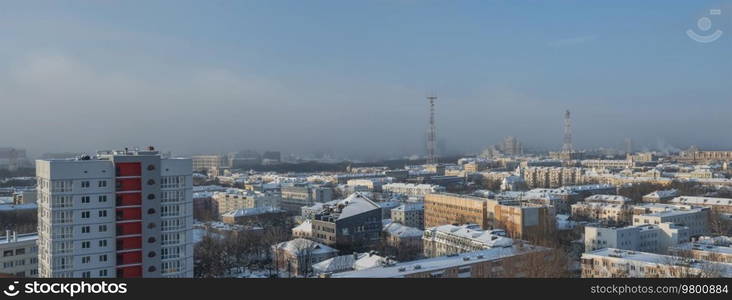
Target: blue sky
351, 76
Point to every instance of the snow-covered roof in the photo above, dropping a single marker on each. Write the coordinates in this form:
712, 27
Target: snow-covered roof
608, 198
305, 226
490, 238
397, 229
357, 203
299, 244
412, 206
663, 194
654, 259
25, 206
437, 264
702, 200
356, 261
252, 211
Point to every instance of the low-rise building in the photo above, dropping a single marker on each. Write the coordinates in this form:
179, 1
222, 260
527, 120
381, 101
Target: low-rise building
412, 190
304, 230
722, 205
350, 262
295, 197
353, 222
644, 238
409, 214
703, 251
514, 261
19, 254
697, 219
451, 239
257, 215
407, 240
235, 199
297, 256
661, 196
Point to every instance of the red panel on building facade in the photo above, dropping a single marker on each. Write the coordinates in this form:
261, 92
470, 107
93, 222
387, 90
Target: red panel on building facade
129, 243
128, 214
130, 272
127, 258
129, 199
129, 184
128, 169
129, 228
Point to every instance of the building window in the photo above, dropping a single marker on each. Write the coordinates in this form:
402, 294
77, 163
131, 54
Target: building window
102, 243
102, 228
102, 258
86, 274
84, 214
150, 182
102, 198
102, 213
150, 167
86, 259
85, 229
85, 245
85, 199
102, 183
151, 196
102, 273
151, 211
85, 184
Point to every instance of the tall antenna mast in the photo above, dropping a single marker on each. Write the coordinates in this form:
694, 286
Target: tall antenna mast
567, 147
432, 133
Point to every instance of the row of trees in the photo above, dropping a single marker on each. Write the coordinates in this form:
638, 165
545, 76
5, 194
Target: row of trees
221, 253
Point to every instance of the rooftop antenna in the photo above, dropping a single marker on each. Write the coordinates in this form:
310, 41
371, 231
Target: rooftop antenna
432, 132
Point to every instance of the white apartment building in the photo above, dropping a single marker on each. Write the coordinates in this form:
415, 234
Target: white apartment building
19, 254
409, 214
613, 263
120, 214
697, 219
235, 199
451, 239
723, 205
413, 190
644, 238
602, 211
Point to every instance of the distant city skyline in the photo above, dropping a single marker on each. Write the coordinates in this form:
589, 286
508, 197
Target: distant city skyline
351, 78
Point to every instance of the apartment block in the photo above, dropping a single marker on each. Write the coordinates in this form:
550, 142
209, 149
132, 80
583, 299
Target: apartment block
452, 239
644, 238
697, 219
119, 214
617, 263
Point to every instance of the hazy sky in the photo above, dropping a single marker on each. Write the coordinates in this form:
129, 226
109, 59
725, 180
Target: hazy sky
351, 76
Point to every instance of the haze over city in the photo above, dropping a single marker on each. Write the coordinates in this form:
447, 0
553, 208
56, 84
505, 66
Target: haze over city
351, 78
